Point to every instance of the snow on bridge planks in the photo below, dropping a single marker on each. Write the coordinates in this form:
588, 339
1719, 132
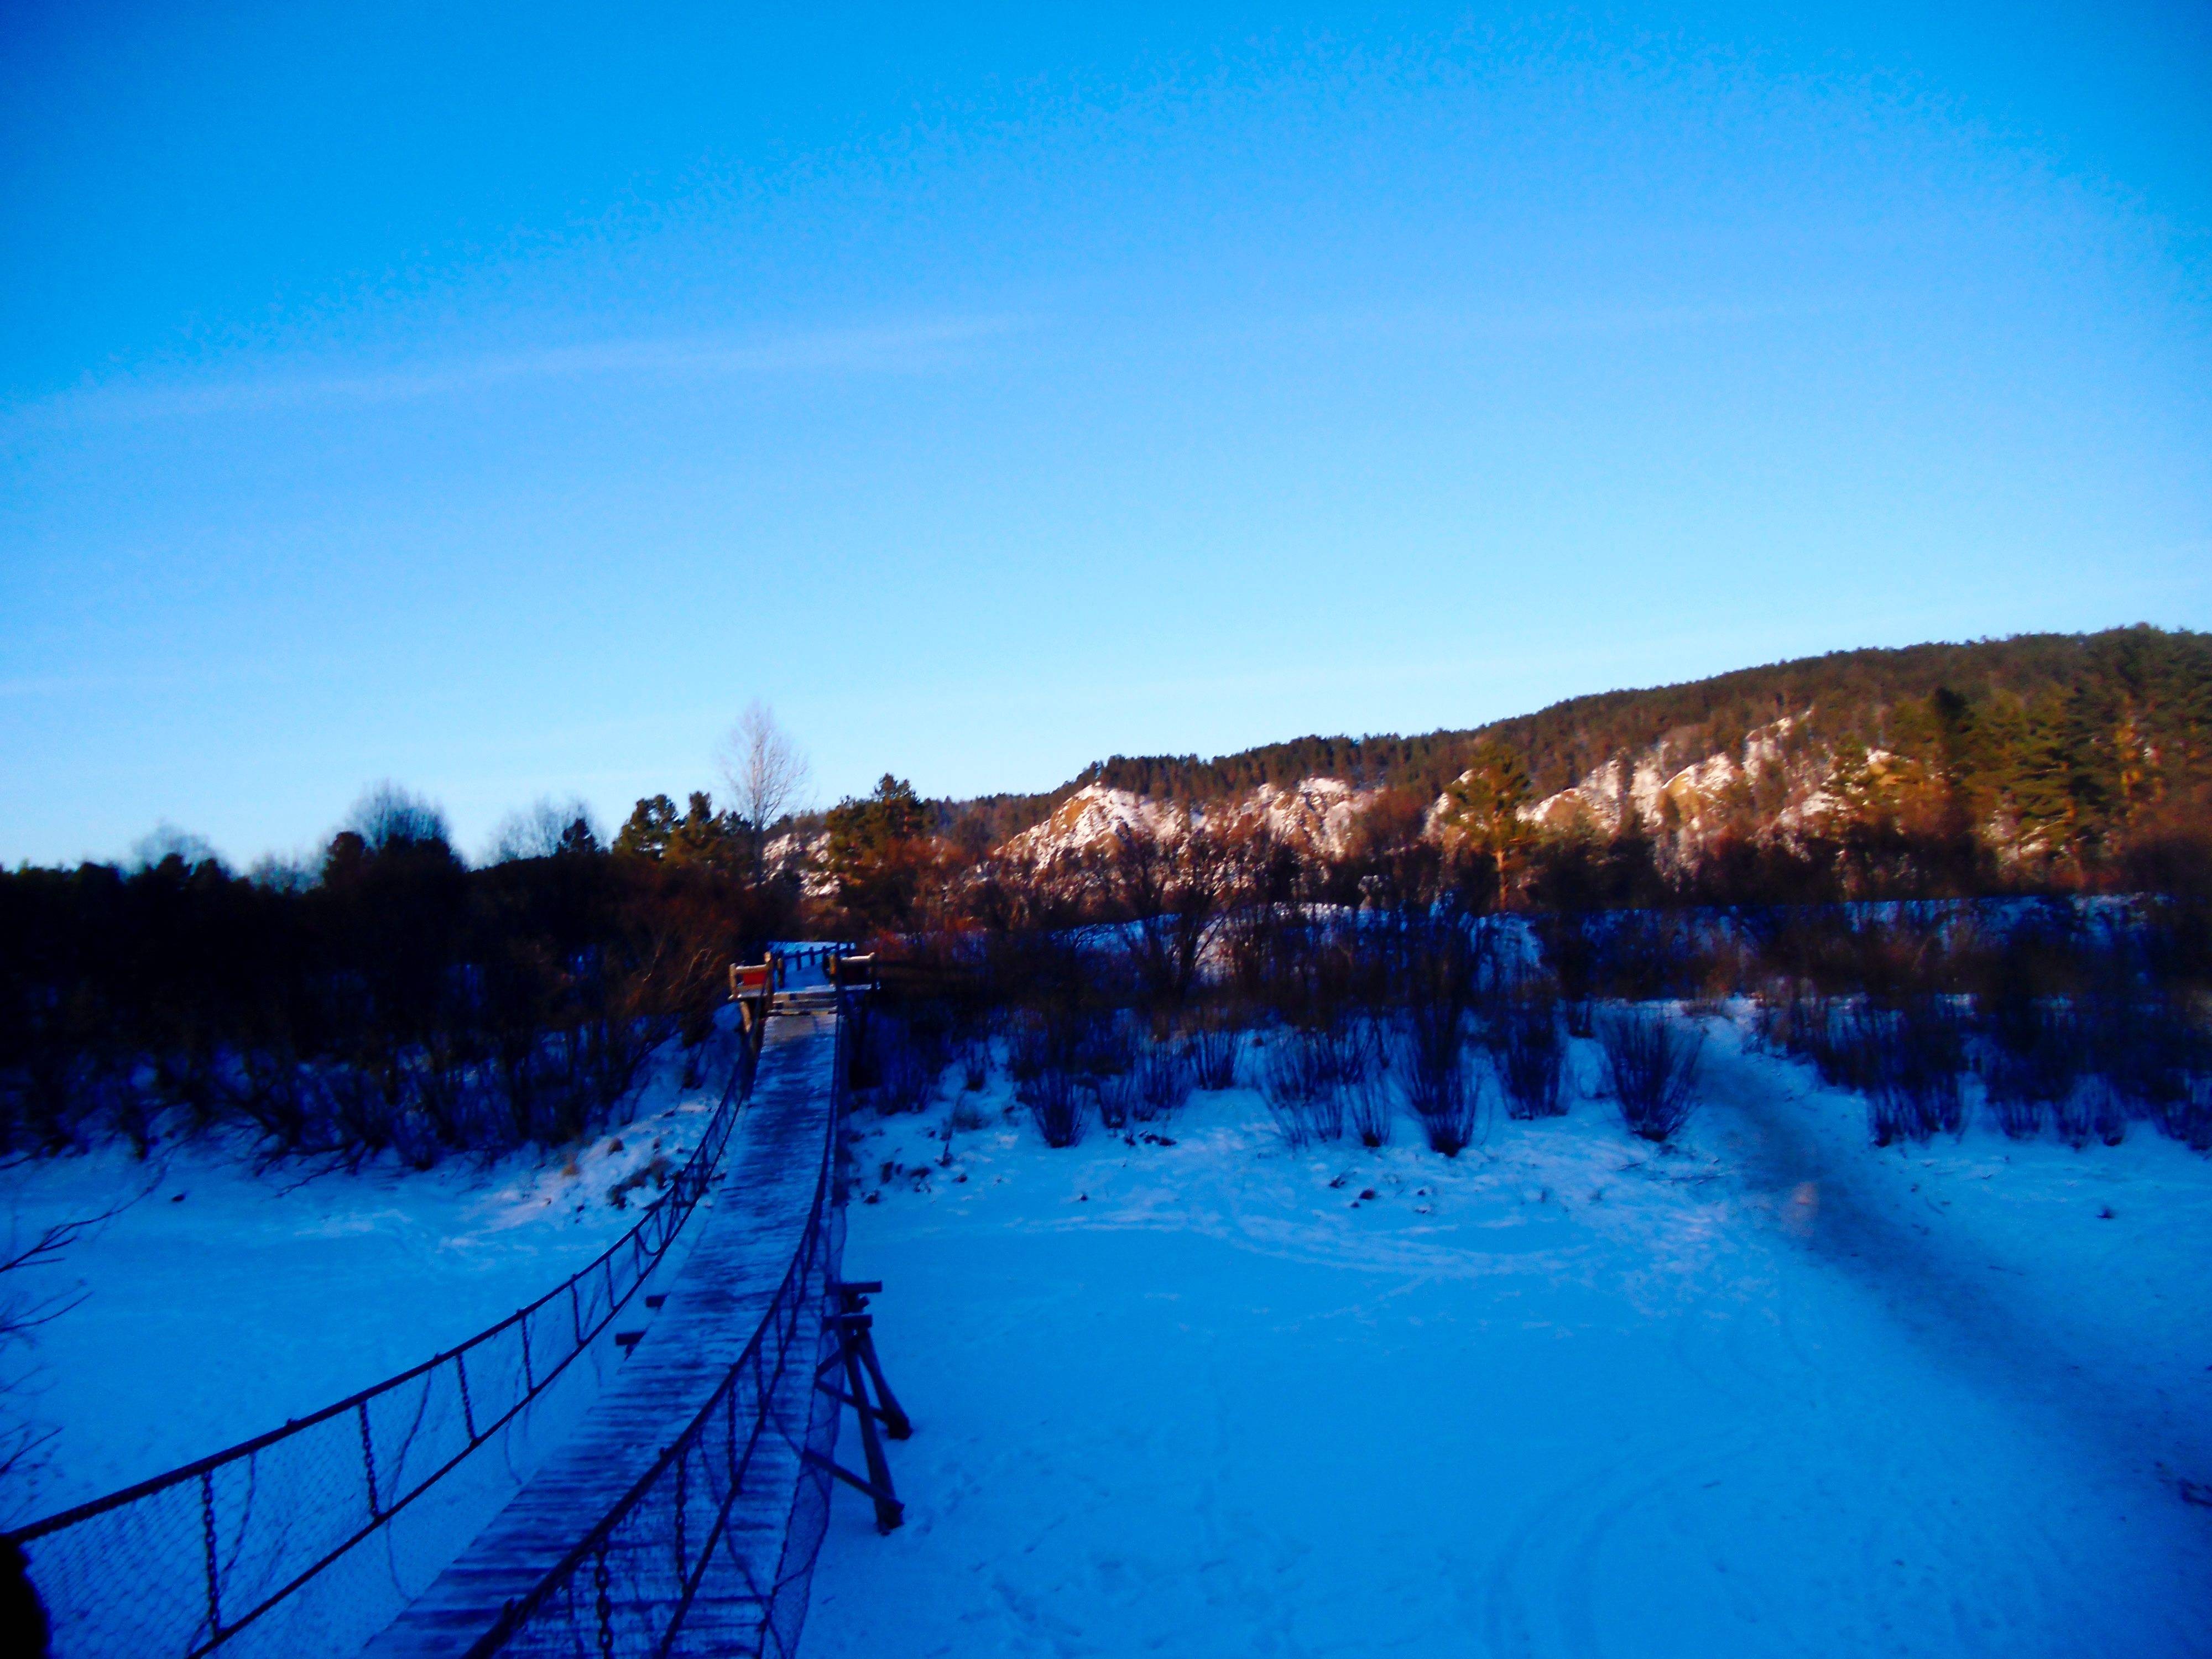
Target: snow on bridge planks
753, 1225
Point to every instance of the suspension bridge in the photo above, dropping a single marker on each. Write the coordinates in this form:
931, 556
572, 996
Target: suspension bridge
637, 1463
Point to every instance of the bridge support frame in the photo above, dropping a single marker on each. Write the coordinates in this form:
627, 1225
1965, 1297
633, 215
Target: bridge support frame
862, 1387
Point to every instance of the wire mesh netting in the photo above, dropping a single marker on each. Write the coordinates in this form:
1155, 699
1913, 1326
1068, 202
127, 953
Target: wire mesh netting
810, 1509
713, 1550
309, 1538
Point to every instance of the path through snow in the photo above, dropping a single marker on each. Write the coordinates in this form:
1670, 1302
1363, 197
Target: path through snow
1569, 1396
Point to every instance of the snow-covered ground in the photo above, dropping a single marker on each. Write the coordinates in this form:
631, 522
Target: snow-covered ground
1773, 1393
221, 1298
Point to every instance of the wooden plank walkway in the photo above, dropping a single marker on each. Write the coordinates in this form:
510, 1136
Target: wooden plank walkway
754, 1221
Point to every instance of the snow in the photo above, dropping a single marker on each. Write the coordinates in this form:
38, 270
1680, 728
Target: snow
1316, 812
222, 1298
1770, 1392
1655, 776
1092, 818
1773, 1391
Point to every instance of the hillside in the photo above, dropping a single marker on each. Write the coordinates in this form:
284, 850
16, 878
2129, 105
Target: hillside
2044, 741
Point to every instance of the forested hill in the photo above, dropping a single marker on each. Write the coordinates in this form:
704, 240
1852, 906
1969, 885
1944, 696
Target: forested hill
2082, 697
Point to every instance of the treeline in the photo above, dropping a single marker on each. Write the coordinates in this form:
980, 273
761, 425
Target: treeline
2153, 686
393, 998
2072, 754
1425, 763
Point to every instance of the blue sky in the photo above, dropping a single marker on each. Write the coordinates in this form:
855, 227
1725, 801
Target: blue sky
496, 401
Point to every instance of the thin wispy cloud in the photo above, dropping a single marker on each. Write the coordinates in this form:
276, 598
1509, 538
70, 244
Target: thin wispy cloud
1538, 324
66, 686
900, 348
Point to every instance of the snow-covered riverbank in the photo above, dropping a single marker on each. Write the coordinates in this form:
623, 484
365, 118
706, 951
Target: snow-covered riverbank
1769, 1392
1775, 1393
222, 1298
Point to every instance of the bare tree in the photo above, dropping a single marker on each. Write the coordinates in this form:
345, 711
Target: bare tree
387, 817
544, 829
21, 1313
767, 772
1177, 889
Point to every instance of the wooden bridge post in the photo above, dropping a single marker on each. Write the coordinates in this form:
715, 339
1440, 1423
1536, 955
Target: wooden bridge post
856, 1358
752, 988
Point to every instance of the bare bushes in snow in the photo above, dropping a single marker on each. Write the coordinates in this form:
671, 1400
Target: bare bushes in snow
1056, 1061
2030, 1061
1795, 1020
1164, 1080
2149, 1061
1430, 1058
1528, 1049
1432, 1062
2187, 1115
1056, 1105
1215, 1040
2085, 1063
1371, 1098
974, 1057
1107, 1054
1651, 1069
901, 1054
1287, 1088
1303, 1078
908, 1067
1913, 1060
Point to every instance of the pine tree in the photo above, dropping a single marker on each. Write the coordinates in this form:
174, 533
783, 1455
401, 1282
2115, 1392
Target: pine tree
646, 833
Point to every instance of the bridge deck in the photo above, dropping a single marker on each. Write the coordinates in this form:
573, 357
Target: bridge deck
753, 1221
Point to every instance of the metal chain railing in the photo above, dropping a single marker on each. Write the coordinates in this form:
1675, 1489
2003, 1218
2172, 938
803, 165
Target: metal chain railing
682, 1564
217, 1554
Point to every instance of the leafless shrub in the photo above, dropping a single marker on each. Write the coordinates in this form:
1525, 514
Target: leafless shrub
1327, 1114
1029, 1047
1912, 1058
975, 1057
1438, 980
2029, 1060
1797, 1020
1525, 1045
2148, 1058
1446, 1099
1372, 1096
1054, 1099
909, 1079
1164, 1080
1104, 1047
1294, 1078
1284, 1091
1215, 1040
1117, 1096
2188, 1117
1783, 1010
1431, 1060
1651, 1068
